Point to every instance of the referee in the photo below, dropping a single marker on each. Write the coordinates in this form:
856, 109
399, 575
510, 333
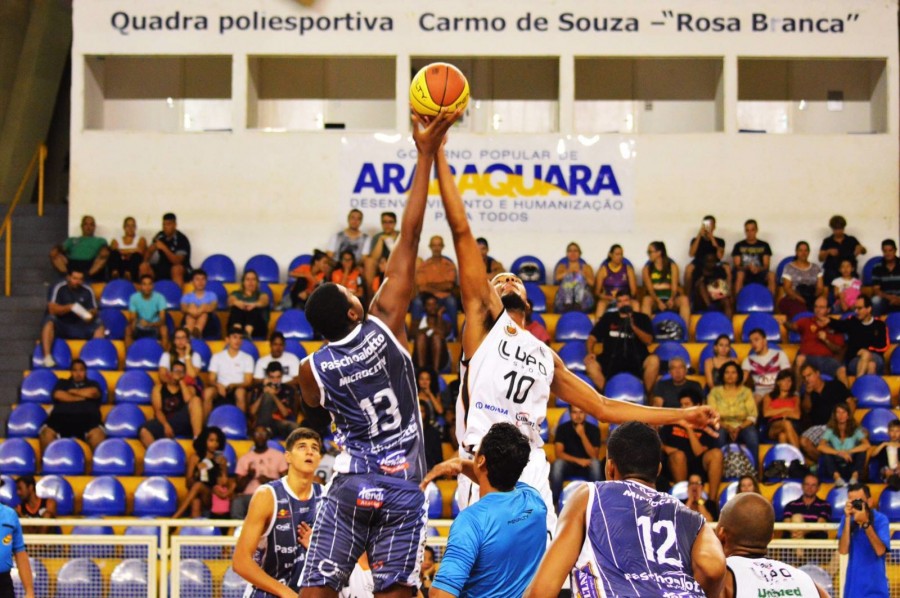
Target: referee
12, 543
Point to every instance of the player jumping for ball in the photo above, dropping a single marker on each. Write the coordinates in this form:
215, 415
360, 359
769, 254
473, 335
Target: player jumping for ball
365, 377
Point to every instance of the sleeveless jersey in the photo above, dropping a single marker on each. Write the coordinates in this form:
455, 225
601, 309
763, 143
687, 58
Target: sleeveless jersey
279, 553
765, 578
638, 542
506, 380
661, 281
368, 383
171, 401
615, 281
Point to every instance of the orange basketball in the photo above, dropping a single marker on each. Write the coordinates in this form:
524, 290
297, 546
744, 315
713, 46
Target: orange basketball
438, 85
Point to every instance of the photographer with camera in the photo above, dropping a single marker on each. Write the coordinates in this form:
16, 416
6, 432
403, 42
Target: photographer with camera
865, 536
275, 405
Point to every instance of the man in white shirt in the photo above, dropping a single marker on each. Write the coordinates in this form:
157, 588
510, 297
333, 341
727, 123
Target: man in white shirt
230, 374
763, 364
290, 363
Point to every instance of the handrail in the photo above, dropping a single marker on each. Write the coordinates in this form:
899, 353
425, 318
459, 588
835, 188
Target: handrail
40, 156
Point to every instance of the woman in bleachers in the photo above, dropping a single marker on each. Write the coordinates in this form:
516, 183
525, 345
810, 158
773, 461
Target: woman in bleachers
249, 307
348, 274
203, 468
737, 409
747, 483
308, 277
181, 350
843, 448
576, 283
429, 392
802, 283
781, 408
614, 275
127, 252
712, 366
660, 275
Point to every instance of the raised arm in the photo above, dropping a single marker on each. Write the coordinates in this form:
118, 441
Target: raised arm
708, 561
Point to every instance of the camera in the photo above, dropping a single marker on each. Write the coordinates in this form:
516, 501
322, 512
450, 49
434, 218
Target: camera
858, 504
707, 224
626, 310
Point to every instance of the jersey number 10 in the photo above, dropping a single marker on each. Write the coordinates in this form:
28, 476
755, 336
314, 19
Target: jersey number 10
518, 391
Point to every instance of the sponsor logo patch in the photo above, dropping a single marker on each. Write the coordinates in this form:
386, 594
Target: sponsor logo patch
370, 497
394, 462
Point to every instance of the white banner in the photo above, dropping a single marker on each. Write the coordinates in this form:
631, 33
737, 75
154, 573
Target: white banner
536, 183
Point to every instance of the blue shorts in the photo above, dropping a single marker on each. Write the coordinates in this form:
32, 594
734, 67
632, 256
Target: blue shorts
382, 516
73, 330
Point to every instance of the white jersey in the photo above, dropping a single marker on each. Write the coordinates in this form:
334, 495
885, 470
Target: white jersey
765, 578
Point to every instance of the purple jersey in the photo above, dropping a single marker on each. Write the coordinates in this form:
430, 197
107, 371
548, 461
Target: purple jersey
368, 383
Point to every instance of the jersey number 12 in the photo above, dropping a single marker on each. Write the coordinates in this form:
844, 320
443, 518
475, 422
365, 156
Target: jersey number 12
659, 527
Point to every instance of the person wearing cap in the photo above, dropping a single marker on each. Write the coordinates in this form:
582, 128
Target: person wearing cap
230, 374
837, 248
12, 548
168, 256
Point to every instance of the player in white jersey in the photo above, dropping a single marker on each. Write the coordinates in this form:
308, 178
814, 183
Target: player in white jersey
507, 374
745, 529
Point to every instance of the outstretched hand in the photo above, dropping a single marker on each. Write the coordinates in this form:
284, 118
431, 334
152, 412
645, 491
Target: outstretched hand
429, 131
451, 467
702, 416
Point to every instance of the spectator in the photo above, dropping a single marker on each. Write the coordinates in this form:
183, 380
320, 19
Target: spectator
177, 410
534, 326
837, 247
577, 444
230, 375
222, 495
147, 314
613, 276
290, 363
843, 447
349, 274
448, 430
747, 483
436, 275
72, 314
427, 382
429, 570
575, 279
276, 404
260, 465
885, 455
722, 354
711, 291
781, 408
624, 337
661, 278
249, 307
492, 266
845, 288
818, 404
76, 409
434, 452
198, 304
668, 392
867, 339
801, 282
431, 334
378, 278
702, 245
350, 238
169, 255
382, 244
886, 280
820, 345
32, 506
87, 254
308, 277
691, 452
737, 409
126, 252
203, 467
864, 535
751, 260
181, 350
695, 501
762, 365
809, 508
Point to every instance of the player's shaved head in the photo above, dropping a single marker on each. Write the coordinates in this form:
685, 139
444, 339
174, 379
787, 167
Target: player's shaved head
748, 521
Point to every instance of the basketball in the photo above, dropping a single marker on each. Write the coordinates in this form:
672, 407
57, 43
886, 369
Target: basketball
438, 85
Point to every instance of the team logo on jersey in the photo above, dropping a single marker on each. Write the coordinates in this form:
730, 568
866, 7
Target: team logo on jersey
511, 330
370, 497
585, 582
282, 513
7, 540
394, 462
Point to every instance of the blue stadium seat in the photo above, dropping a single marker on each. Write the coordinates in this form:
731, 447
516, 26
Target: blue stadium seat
265, 266
876, 422
779, 270
785, 493
155, 497
231, 455
113, 456
97, 376
294, 325
566, 416
667, 350
104, 495
59, 489
294, 347
727, 494
144, 354
536, 317
711, 325
784, 452
567, 492
231, 420
573, 326
663, 324
115, 323
116, 294
233, 585
128, 579
124, 421
573, 355
221, 293
532, 262
625, 387
706, 353
680, 489
171, 291
871, 391
200, 552
135, 386
93, 551
545, 430
26, 420
794, 337
136, 551
889, 504
868, 268
434, 500
895, 363
100, 354
250, 349
200, 347
39, 578
8, 495
196, 580
766, 322
837, 498
454, 506
735, 447
303, 258
820, 576
755, 297
536, 297
79, 578
893, 325
60, 351
213, 330
164, 457
220, 268
16, 457
274, 444
37, 387
63, 456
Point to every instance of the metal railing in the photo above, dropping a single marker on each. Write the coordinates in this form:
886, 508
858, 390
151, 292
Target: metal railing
37, 161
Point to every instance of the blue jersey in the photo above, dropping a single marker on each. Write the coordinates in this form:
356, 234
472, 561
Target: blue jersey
495, 545
11, 540
638, 543
368, 383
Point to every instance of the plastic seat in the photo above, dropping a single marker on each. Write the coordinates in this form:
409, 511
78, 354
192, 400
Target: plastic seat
200, 347
837, 498
895, 363
454, 506
171, 291
785, 493
820, 576
573, 326
567, 492
164, 457
727, 494
135, 551
265, 266
707, 352
667, 350
39, 577
765, 322
663, 324
155, 497
128, 579
545, 430
755, 298
889, 504
573, 355
26, 420
781, 266
135, 386
100, 354
144, 354
893, 325
231, 420
124, 421
113, 456
78, 578
16, 457
532, 262
97, 376
60, 351
566, 416
116, 294
680, 490
294, 325
249, 347
625, 387
783, 452
59, 489
794, 337
233, 585
434, 500
37, 387
8, 495
536, 297
294, 347
735, 447
231, 456
115, 323
221, 293
219, 267
104, 495
711, 325
63, 456
870, 265
200, 552
196, 580
871, 391
303, 258
98, 550
876, 422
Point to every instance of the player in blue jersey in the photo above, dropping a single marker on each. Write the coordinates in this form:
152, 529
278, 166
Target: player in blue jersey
623, 538
365, 377
273, 544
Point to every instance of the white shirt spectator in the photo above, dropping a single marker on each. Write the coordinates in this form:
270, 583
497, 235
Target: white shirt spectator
166, 361
290, 363
230, 370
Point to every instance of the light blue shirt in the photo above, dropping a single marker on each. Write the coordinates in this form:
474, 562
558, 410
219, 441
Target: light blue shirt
192, 298
11, 540
850, 442
147, 309
866, 573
